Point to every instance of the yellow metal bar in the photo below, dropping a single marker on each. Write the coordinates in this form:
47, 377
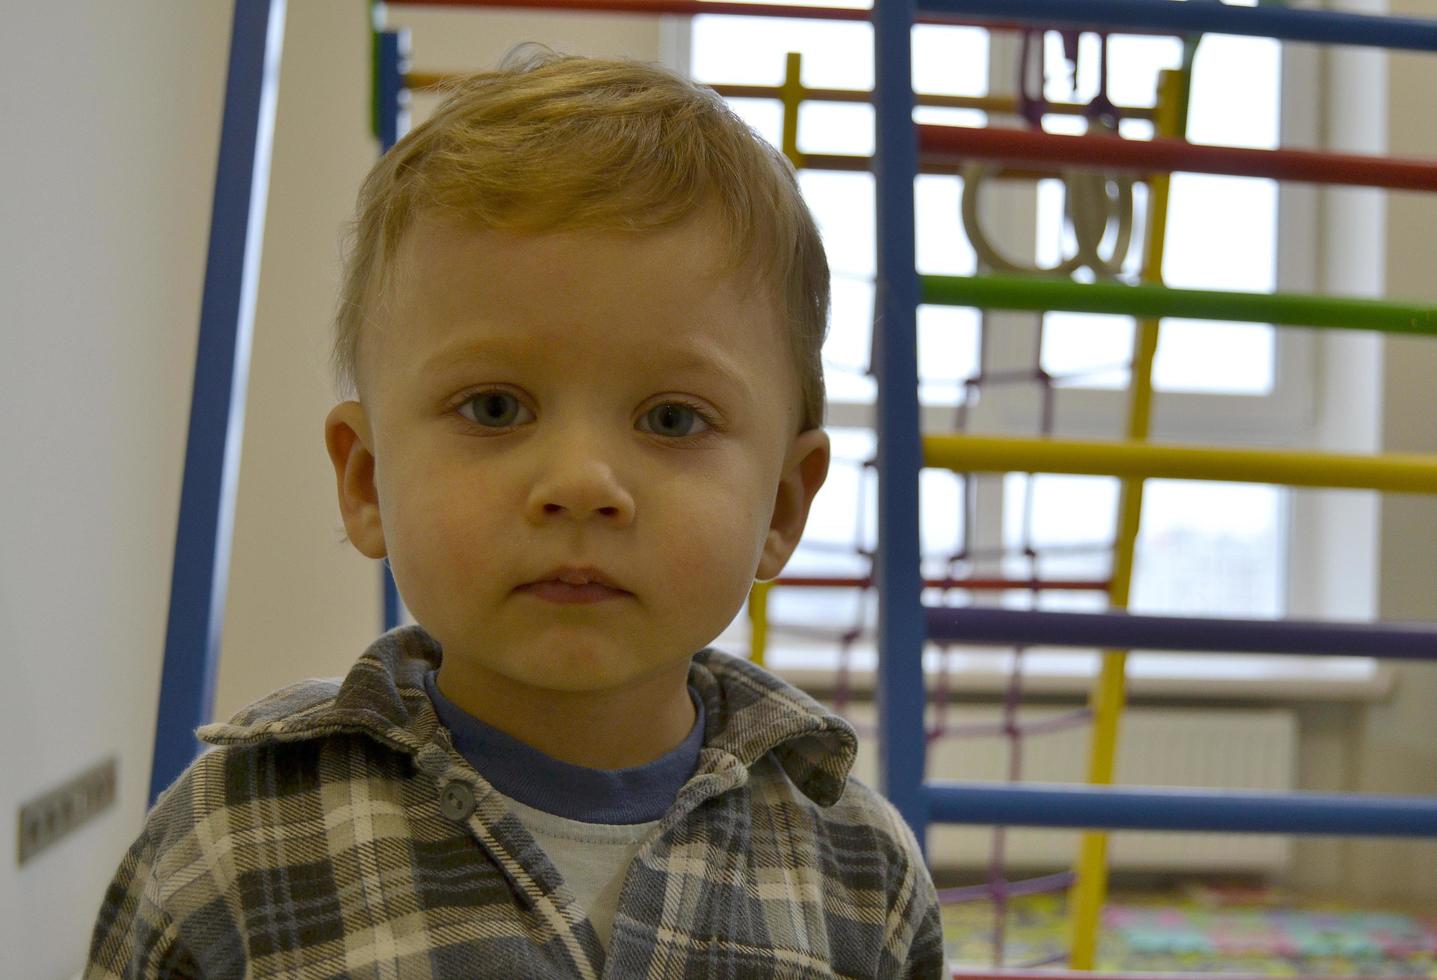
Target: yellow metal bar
1389, 472
997, 104
791, 95
1109, 694
758, 621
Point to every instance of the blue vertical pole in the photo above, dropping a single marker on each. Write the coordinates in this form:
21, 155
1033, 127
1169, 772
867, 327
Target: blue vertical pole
391, 61
901, 630
200, 574
391, 107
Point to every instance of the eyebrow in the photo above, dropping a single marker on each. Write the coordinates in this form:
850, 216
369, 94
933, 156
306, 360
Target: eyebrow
685, 358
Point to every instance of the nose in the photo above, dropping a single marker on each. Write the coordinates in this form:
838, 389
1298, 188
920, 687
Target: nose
578, 482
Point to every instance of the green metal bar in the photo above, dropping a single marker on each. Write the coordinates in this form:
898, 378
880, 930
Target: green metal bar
1283, 309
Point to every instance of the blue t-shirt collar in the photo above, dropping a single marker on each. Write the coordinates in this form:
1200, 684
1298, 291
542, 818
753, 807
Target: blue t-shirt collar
615, 796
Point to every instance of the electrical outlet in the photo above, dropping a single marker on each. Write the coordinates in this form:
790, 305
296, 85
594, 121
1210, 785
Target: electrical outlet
48, 818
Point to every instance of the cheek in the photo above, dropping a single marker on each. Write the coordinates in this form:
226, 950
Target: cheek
717, 542
437, 534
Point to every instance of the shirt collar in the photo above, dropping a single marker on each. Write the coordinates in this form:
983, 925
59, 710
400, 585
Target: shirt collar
748, 712
636, 794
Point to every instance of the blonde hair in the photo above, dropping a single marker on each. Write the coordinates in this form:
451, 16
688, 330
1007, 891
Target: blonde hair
549, 142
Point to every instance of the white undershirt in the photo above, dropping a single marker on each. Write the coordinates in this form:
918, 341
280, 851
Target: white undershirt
592, 858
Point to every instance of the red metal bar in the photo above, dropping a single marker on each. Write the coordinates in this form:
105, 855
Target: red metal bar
1095, 975
1163, 155
1011, 889
693, 7
983, 103
1043, 726
689, 7
975, 584
848, 163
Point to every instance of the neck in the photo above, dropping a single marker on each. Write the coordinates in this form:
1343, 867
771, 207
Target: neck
606, 729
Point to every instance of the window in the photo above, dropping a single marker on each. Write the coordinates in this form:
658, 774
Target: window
1205, 549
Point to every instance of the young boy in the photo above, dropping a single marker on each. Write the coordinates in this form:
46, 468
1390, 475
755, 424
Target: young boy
582, 318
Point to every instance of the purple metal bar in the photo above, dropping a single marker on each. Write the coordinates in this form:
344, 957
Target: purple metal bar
1125, 631
1032, 886
1313, 26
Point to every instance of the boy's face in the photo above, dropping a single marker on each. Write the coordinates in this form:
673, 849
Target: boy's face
536, 401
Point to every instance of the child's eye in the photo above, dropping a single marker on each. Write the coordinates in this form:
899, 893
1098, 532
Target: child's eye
497, 409
676, 419
493, 409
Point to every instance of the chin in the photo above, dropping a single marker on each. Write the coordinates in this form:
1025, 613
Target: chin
578, 672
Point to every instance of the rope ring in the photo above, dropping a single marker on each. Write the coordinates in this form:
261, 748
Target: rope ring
1092, 202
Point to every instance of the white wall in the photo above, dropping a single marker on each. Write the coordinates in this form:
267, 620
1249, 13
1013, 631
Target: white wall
111, 121
112, 115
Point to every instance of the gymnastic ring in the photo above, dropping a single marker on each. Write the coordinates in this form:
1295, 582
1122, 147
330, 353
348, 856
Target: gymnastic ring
1091, 203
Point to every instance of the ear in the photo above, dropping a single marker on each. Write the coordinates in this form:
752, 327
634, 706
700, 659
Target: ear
350, 444
804, 470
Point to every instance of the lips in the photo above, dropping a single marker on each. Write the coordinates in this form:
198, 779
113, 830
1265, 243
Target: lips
562, 592
578, 576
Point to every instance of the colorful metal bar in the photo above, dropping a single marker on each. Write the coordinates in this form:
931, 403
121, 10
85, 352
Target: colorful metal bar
1042, 726
1167, 155
690, 8
1229, 811
759, 594
1285, 309
790, 95
1126, 631
758, 622
900, 695
1285, 24
1108, 696
200, 574
999, 104
1011, 889
854, 163
391, 56
1389, 472
651, 7
1092, 975
971, 584
391, 61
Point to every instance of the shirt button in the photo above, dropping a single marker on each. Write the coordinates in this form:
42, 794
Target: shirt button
456, 801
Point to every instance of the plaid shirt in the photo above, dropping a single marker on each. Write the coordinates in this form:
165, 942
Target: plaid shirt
337, 833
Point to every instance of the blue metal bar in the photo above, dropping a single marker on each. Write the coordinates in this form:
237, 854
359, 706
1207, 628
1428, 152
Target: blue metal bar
390, 95
900, 688
392, 604
1151, 808
1125, 631
200, 574
1285, 24
391, 62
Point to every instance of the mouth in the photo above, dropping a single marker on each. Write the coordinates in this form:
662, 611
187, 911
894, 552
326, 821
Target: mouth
578, 575
564, 593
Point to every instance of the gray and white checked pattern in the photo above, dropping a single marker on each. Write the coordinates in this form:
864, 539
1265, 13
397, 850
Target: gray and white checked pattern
311, 844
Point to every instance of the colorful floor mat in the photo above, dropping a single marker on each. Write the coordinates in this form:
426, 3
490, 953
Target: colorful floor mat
1174, 933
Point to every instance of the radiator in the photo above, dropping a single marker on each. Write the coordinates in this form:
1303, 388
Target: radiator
1239, 749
